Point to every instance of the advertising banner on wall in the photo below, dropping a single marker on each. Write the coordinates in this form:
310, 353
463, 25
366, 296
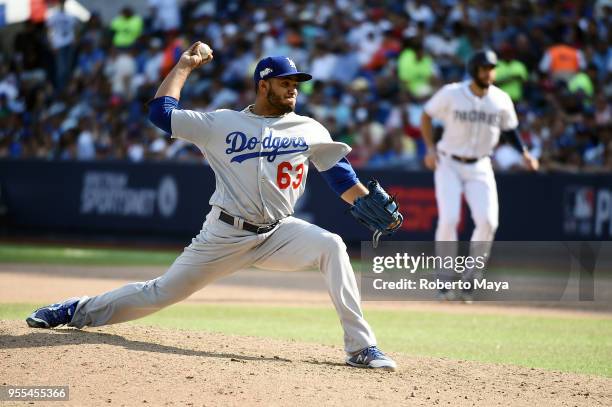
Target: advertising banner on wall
172, 198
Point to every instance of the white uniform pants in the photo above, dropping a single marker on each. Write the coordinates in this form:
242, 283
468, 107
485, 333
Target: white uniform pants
221, 249
477, 182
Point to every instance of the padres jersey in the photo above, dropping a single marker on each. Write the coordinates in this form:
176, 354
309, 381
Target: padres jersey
260, 163
471, 124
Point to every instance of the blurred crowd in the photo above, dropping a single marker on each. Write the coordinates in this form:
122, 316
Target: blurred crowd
78, 91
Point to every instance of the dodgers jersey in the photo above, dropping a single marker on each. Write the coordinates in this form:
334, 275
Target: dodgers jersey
471, 124
260, 163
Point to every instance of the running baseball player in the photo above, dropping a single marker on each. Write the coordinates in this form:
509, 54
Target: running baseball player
260, 157
474, 114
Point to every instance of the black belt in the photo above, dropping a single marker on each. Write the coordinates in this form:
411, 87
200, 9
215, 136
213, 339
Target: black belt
464, 160
229, 219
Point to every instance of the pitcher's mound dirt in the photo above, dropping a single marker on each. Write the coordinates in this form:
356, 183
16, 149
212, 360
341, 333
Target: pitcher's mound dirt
129, 365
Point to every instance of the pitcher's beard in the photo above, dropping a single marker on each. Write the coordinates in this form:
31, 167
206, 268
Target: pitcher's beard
276, 102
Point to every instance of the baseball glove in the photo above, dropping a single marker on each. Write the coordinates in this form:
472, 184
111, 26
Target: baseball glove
377, 211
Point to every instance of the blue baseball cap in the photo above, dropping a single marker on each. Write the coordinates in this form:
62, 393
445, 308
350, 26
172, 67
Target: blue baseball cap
276, 67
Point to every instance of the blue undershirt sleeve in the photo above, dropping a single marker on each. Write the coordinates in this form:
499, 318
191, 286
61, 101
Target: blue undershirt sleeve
340, 177
160, 112
514, 138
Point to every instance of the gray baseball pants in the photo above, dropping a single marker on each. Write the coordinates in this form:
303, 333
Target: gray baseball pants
221, 249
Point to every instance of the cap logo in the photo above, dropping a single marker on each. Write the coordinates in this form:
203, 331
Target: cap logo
265, 72
291, 63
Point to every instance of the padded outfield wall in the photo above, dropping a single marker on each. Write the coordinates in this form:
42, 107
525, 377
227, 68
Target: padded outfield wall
170, 200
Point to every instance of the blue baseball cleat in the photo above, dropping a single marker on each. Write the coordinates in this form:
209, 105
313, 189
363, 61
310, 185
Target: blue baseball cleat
53, 315
372, 357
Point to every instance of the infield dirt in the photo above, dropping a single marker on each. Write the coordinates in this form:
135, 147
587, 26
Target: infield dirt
126, 366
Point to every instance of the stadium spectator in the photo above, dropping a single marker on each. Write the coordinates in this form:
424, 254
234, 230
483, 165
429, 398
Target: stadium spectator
172, 52
603, 111
511, 74
93, 30
420, 12
91, 59
61, 28
324, 62
149, 62
165, 15
126, 27
583, 82
562, 61
444, 48
388, 50
8, 84
31, 52
526, 53
86, 148
372, 67
120, 69
416, 69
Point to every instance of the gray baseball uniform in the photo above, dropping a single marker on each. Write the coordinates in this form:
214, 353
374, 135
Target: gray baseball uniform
260, 164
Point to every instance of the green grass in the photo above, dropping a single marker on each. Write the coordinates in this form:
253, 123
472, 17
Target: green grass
557, 343
84, 256
41, 254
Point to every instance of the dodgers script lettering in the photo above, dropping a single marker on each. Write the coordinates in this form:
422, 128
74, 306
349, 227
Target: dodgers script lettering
271, 147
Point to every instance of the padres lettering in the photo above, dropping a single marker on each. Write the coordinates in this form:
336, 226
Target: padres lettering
474, 116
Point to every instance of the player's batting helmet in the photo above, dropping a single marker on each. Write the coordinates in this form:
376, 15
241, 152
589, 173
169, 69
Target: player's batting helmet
484, 57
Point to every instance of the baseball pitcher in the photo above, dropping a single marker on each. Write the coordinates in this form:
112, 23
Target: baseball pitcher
260, 157
474, 113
